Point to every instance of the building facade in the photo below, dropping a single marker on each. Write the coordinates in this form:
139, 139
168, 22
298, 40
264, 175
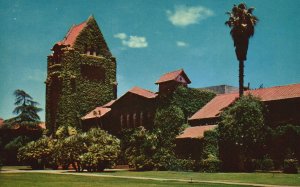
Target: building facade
81, 74
135, 108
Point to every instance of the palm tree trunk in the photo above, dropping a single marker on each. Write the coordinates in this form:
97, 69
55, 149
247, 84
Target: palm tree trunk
241, 78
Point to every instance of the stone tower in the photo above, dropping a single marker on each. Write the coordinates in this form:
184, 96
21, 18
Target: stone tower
81, 75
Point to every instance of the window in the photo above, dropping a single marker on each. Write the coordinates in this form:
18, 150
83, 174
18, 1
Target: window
141, 119
128, 120
93, 72
121, 121
134, 120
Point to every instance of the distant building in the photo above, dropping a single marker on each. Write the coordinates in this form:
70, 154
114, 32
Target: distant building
81, 75
222, 89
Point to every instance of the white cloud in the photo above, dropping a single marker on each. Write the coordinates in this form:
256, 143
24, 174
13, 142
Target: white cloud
184, 16
132, 41
181, 44
121, 36
135, 42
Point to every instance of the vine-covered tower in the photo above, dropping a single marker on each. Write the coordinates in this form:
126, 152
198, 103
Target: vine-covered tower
81, 75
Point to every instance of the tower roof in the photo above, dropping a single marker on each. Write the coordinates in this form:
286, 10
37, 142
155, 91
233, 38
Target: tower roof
72, 34
85, 36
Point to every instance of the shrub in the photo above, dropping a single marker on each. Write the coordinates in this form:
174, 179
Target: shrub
103, 149
290, 166
210, 164
266, 164
182, 165
37, 153
93, 150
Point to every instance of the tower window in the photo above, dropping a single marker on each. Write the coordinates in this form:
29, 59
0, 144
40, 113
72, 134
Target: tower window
93, 73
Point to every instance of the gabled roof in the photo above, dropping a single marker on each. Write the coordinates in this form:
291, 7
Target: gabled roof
213, 108
72, 34
98, 112
142, 92
196, 132
172, 76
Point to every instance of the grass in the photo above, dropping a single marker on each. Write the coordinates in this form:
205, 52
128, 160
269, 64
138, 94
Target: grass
258, 178
39, 179
54, 180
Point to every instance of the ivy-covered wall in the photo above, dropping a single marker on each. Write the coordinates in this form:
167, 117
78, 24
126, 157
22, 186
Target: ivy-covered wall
91, 38
78, 82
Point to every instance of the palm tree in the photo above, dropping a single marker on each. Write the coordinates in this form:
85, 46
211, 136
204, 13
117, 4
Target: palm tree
242, 22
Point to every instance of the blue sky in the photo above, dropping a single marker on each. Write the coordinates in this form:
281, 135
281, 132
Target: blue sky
149, 38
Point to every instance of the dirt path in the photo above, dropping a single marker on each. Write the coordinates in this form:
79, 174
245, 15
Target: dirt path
65, 172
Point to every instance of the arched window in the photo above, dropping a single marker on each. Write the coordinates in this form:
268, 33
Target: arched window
128, 120
122, 121
141, 119
134, 120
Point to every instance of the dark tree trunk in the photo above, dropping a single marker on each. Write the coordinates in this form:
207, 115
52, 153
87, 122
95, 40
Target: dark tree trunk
241, 78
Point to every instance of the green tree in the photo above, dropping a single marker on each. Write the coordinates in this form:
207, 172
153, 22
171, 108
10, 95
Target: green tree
242, 22
242, 130
142, 148
23, 128
26, 110
168, 124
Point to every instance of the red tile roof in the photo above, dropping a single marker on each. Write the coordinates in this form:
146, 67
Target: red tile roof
171, 76
1, 121
213, 108
72, 34
142, 92
42, 125
108, 105
98, 112
196, 132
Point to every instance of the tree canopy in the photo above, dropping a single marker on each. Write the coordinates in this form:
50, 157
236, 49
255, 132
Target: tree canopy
242, 131
26, 110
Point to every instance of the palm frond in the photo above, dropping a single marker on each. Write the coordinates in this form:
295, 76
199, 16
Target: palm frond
250, 10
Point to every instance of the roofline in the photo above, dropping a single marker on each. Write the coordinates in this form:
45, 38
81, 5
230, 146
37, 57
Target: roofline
182, 71
116, 100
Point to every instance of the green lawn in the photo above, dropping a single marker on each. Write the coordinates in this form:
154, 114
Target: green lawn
54, 180
259, 178
39, 179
